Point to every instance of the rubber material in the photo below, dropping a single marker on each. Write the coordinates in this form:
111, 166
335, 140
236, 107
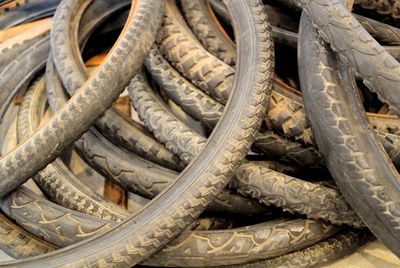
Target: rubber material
15, 241
240, 245
82, 109
379, 70
134, 173
335, 248
386, 9
69, 63
21, 69
354, 156
277, 190
171, 213
56, 180
208, 111
204, 24
293, 195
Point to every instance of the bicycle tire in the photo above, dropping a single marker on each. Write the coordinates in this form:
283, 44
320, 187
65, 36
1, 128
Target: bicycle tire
56, 180
132, 172
256, 107
113, 124
20, 71
67, 228
207, 110
378, 69
49, 141
367, 172
134, 257
293, 195
205, 26
250, 179
335, 248
240, 245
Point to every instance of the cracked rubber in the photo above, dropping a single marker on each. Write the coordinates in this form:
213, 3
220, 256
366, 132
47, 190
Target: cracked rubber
378, 69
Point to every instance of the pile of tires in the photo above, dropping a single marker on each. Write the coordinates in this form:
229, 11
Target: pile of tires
255, 134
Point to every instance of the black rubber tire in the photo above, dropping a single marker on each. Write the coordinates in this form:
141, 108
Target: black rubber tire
11, 52
207, 110
285, 113
240, 245
132, 172
15, 241
293, 195
21, 69
56, 180
175, 253
335, 248
277, 190
84, 107
204, 24
378, 69
354, 156
383, 32
67, 58
194, 189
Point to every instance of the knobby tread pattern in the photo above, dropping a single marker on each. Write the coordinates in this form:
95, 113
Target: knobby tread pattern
287, 116
85, 106
64, 227
379, 70
205, 27
208, 111
177, 137
200, 67
354, 156
10, 53
192, 100
294, 195
291, 194
188, 56
136, 174
389, 9
313, 233
21, 69
284, 114
154, 231
118, 128
56, 180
